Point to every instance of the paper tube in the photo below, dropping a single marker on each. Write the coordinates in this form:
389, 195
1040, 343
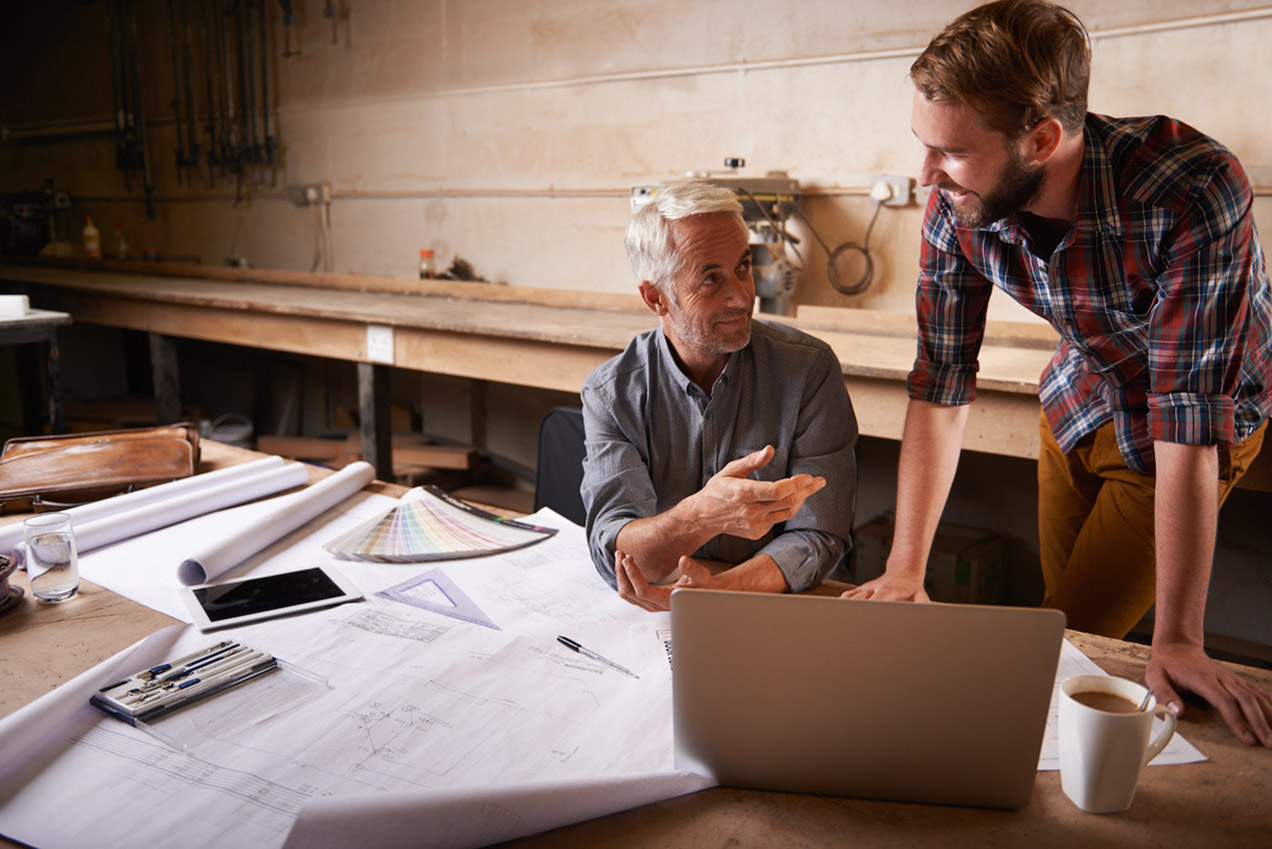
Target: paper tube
277, 518
11, 535
146, 517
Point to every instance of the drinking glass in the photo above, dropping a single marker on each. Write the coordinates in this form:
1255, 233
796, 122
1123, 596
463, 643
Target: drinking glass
51, 561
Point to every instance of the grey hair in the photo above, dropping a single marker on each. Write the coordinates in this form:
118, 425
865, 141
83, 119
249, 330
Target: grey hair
649, 246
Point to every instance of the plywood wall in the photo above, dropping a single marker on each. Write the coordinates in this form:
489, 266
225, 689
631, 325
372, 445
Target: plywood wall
509, 132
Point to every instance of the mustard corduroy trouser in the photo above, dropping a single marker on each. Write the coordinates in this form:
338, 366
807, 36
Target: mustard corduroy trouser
1095, 528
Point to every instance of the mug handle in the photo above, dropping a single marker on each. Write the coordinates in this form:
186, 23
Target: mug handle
1167, 732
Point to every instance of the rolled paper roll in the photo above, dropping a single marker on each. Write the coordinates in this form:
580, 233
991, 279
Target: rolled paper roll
148, 516
82, 514
276, 519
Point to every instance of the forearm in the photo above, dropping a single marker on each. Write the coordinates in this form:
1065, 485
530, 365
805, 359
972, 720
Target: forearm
1186, 513
760, 574
930, 446
656, 543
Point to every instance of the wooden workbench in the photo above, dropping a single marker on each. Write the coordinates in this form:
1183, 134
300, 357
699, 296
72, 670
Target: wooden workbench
544, 338
1225, 801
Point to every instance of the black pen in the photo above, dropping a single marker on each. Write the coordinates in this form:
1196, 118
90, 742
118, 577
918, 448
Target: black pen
574, 646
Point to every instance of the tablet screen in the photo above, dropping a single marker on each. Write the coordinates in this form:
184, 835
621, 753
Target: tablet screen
243, 598
239, 602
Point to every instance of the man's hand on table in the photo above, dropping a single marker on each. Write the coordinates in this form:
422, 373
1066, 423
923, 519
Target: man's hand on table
1175, 667
890, 587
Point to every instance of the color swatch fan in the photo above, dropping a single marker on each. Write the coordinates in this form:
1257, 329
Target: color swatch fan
428, 524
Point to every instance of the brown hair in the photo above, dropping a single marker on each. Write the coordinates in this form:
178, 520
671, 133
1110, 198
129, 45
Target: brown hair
1013, 61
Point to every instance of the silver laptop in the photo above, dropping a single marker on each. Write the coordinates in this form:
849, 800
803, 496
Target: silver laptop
884, 700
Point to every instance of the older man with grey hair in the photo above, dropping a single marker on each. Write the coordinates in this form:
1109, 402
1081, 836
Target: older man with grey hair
714, 437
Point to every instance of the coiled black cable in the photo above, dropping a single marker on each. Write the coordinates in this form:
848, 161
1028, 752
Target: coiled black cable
832, 273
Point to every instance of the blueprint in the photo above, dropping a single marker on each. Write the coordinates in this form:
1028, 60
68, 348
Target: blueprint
433, 712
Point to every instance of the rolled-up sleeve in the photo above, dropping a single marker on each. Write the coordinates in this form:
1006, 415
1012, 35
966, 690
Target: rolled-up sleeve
809, 546
1198, 328
950, 305
616, 484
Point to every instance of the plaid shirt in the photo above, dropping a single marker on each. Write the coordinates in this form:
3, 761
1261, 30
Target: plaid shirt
1159, 293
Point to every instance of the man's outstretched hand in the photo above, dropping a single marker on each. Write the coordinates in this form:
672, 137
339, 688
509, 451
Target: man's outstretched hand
732, 503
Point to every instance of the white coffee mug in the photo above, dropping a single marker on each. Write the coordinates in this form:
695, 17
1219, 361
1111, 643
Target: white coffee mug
1102, 751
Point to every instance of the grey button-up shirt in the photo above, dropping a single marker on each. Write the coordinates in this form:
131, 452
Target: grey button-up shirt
654, 438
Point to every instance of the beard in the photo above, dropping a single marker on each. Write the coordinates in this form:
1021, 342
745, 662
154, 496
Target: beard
1018, 185
702, 334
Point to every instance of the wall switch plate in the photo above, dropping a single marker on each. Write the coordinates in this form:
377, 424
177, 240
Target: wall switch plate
892, 191
307, 194
380, 344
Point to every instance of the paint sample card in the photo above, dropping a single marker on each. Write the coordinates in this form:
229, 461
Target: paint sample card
428, 524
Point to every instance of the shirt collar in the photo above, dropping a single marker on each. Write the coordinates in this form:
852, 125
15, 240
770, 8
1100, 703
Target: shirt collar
686, 383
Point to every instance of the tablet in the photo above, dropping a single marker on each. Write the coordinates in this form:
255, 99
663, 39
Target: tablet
253, 599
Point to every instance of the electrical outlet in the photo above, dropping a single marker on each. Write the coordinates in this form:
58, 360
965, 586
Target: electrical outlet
892, 191
380, 344
307, 194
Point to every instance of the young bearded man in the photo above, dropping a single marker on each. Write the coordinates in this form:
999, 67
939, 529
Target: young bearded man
1134, 238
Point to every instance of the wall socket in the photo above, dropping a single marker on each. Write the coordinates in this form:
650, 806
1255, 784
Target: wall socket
892, 191
307, 194
380, 344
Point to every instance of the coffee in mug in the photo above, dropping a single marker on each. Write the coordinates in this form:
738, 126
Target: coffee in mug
1105, 740
1110, 702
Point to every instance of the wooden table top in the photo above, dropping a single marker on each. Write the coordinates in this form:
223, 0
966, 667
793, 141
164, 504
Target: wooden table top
1225, 801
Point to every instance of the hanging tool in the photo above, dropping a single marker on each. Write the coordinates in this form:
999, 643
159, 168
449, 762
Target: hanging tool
289, 20
270, 143
210, 74
118, 89
180, 152
331, 11
139, 117
243, 153
229, 140
248, 71
194, 150
214, 50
